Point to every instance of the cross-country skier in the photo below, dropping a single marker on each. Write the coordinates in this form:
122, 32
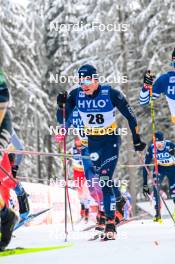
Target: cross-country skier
165, 84
80, 180
166, 167
7, 216
97, 105
128, 205
91, 174
8, 221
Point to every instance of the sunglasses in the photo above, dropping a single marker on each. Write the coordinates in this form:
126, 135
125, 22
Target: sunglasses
86, 82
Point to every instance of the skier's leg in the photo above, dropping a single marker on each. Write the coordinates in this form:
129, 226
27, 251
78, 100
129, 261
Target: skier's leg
8, 220
23, 202
86, 204
82, 211
120, 203
80, 194
108, 161
108, 164
92, 178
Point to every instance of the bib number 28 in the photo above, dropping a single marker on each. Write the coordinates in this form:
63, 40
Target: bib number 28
95, 119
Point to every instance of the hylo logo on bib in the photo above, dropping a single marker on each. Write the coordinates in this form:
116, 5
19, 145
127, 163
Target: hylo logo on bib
92, 103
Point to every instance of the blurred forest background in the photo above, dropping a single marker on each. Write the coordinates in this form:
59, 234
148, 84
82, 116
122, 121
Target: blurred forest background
32, 50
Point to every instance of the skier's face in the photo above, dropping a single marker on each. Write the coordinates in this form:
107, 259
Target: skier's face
160, 145
89, 85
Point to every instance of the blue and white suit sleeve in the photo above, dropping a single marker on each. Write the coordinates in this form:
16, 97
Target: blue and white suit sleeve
158, 88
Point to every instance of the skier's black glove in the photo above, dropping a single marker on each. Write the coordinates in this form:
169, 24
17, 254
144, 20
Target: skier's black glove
148, 79
61, 99
146, 190
138, 144
14, 170
172, 151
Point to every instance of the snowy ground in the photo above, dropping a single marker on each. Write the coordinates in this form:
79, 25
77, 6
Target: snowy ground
138, 242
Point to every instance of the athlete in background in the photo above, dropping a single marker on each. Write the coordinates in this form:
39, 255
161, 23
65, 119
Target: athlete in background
166, 167
164, 84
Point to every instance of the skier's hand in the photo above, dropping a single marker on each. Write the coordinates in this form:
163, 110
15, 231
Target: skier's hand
172, 151
148, 80
14, 170
139, 145
146, 190
61, 99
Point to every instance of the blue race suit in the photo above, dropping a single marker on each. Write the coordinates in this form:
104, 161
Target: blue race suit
98, 113
166, 167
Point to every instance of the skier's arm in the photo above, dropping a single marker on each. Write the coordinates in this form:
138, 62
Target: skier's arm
17, 145
148, 159
119, 100
171, 148
70, 105
158, 88
59, 118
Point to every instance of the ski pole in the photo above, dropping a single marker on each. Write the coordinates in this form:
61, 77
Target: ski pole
154, 143
68, 197
70, 210
65, 172
39, 153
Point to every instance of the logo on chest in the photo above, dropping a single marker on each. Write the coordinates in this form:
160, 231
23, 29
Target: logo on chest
91, 104
171, 89
161, 156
